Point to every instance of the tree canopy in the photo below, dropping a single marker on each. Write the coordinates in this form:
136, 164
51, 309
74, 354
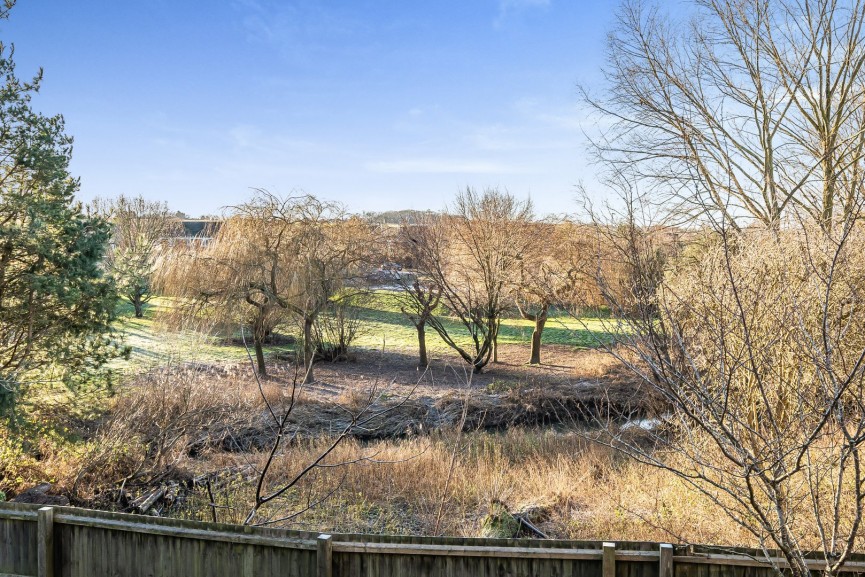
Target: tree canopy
139, 229
56, 305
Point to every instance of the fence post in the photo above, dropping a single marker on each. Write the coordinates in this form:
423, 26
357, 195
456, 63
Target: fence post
666, 567
608, 568
325, 556
45, 542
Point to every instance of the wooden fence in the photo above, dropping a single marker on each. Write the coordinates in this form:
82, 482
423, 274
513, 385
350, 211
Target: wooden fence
70, 542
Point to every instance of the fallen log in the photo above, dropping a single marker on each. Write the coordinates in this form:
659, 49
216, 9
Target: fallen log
146, 501
530, 527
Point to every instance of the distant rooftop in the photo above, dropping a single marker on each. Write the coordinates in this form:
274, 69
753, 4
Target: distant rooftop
199, 227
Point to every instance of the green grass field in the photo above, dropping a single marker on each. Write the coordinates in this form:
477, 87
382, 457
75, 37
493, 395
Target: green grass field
151, 346
383, 326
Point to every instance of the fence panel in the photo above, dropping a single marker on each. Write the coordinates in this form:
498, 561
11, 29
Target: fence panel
18, 538
70, 542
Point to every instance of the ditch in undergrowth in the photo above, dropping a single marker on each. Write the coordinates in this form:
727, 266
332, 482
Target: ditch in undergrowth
173, 431
176, 430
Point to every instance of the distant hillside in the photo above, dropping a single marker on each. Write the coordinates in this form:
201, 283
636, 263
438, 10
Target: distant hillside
396, 216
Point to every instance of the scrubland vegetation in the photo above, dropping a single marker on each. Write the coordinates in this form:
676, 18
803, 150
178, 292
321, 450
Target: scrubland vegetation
685, 362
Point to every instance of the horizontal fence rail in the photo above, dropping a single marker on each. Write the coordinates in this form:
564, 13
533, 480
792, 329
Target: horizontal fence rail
70, 542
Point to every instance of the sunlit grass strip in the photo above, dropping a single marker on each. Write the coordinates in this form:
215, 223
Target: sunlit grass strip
384, 327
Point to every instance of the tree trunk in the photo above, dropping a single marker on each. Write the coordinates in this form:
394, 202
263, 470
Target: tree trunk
497, 324
828, 190
423, 362
257, 342
308, 351
139, 307
540, 321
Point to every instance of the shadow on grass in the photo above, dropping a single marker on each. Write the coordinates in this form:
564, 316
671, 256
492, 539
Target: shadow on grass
125, 311
583, 337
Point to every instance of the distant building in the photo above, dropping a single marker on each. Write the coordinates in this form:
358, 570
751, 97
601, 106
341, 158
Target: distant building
195, 232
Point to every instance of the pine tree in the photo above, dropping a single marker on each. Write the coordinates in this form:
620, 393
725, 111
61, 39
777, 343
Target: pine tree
55, 304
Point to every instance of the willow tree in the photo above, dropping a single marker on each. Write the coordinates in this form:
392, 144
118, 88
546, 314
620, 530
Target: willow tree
329, 252
233, 282
273, 260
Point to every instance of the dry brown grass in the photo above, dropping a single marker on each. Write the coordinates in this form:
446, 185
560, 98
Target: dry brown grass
174, 424
570, 488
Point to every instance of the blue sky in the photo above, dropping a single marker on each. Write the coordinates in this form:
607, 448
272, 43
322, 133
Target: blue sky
377, 104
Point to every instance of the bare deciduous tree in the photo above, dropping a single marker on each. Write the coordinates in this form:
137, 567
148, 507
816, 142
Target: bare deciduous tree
746, 111
545, 277
418, 301
748, 342
750, 119
240, 279
468, 254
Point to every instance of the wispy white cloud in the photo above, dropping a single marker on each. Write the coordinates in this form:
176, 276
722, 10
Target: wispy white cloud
244, 135
516, 4
568, 121
494, 138
304, 30
509, 7
254, 139
569, 118
440, 166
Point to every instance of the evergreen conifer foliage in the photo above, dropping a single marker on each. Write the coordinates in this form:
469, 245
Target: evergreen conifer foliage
55, 304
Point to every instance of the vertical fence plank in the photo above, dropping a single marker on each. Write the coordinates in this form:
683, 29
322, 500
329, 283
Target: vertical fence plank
609, 560
248, 556
45, 542
325, 556
665, 569
249, 561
